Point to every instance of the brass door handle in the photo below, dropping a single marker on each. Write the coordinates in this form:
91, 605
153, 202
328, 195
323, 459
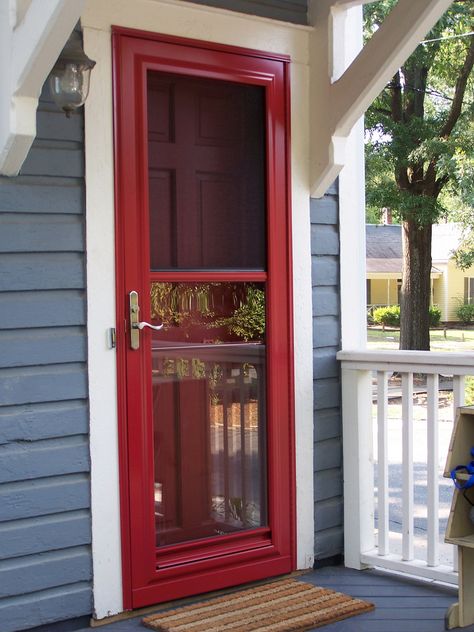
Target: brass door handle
135, 323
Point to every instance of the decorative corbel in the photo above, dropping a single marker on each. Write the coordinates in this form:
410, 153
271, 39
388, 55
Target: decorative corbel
344, 82
32, 35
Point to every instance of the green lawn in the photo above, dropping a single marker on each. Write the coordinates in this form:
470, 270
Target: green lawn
454, 340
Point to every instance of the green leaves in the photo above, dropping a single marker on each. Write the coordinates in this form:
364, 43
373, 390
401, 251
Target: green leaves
417, 164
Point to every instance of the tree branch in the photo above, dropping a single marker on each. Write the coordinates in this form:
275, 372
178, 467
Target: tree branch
459, 91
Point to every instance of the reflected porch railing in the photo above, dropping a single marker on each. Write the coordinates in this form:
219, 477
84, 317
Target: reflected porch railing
393, 514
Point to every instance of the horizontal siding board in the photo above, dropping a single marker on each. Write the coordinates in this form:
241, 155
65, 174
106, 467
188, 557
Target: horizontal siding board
42, 346
42, 384
330, 514
325, 271
45, 308
41, 271
288, 10
328, 454
44, 496
44, 570
34, 422
53, 125
26, 232
40, 608
28, 460
324, 210
325, 363
28, 194
326, 332
44, 159
330, 542
324, 240
45, 533
328, 424
327, 484
327, 393
326, 301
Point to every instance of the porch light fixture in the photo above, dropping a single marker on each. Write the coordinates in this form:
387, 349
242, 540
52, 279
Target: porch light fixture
69, 79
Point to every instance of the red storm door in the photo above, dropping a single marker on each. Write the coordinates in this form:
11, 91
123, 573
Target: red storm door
203, 292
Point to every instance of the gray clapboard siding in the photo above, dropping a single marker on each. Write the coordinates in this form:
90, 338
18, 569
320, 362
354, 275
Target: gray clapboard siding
44, 533
47, 159
52, 457
44, 570
27, 232
326, 301
327, 484
328, 454
327, 393
329, 425
42, 384
329, 543
326, 375
27, 194
326, 330
30, 347
53, 125
41, 271
47, 606
34, 422
325, 363
46, 308
26, 499
331, 513
45, 528
288, 10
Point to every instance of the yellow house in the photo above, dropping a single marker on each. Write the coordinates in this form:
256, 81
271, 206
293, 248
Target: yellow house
449, 284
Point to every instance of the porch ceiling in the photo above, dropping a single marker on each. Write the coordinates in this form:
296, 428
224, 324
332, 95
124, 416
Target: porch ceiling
33, 33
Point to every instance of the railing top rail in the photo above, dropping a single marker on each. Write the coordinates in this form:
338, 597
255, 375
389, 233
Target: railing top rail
407, 361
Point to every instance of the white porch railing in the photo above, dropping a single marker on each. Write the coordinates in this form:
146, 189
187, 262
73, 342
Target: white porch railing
369, 541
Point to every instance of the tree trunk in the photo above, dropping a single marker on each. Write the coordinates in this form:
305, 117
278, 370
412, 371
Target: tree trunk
416, 287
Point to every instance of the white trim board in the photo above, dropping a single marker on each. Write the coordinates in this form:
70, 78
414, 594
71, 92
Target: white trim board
205, 23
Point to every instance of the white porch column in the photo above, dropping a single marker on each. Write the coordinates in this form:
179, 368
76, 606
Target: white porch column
356, 400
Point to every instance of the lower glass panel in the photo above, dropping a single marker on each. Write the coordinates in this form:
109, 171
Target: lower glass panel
209, 394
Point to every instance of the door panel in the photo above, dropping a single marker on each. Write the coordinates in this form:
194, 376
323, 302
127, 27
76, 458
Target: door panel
203, 242
206, 148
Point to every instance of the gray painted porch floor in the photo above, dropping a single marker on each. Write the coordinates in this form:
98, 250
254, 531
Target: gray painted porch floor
401, 604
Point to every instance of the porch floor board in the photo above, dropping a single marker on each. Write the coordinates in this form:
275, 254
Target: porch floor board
402, 604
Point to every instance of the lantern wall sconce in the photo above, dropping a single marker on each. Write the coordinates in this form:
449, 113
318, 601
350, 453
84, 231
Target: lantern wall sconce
69, 79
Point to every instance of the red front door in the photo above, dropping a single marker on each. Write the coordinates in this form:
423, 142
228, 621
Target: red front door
203, 292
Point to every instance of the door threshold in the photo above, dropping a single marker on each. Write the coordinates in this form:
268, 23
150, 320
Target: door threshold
132, 614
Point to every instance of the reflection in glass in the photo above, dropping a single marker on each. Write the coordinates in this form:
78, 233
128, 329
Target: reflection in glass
208, 409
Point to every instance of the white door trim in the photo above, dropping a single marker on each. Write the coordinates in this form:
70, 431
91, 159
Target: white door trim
226, 27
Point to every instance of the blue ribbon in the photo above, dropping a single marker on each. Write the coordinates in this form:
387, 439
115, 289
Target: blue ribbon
469, 469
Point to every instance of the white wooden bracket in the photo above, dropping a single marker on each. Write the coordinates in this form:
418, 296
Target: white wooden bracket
343, 86
32, 35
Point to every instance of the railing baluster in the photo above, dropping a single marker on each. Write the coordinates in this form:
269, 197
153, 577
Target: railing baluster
407, 466
432, 470
382, 461
358, 368
459, 393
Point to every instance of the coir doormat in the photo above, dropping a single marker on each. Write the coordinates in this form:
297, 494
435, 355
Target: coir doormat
287, 605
